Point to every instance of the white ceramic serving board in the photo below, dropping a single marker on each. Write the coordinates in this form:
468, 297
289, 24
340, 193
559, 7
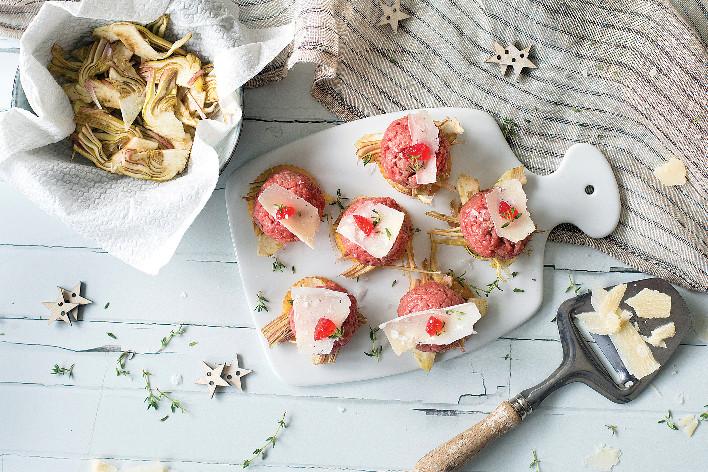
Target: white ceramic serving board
484, 153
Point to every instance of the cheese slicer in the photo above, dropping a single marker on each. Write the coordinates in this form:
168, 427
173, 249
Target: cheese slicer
582, 362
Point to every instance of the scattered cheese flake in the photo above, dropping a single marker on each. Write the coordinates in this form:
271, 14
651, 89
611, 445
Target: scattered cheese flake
306, 221
100, 466
634, 352
423, 130
607, 302
380, 242
511, 192
660, 334
405, 332
671, 172
600, 323
309, 305
604, 458
688, 424
650, 303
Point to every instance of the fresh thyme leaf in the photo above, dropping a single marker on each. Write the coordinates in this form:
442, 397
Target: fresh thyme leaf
262, 302
193, 343
509, 128
268, 443
576, 288
488, 289
460, 279
277, 265
340, 199
174, 332
507, 357
535, 462
112, 335
338, 333
514, 274
668, 420
59, 370
164, 418
613, 428
395, 281
375, 351
293, 269
106, 305
153, 400
704, 416
122, 359
367, 159
519, 290
388, 233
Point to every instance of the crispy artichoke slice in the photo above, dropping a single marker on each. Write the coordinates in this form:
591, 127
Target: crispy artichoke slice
61, 66
160, 106
159, 26
96, 62
112, 131
140, 40
189, 68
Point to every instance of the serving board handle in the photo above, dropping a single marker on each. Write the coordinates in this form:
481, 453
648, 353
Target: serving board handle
457, 451
582, 191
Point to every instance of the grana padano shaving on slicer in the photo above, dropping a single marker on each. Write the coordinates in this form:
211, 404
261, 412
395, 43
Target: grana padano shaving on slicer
671, 172
600, 323
634, 352
380, 242
309, 305
306, 221
650, 303
406, 332
660, 334
607, 318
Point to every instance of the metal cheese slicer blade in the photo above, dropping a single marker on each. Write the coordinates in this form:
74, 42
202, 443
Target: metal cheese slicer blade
581, 363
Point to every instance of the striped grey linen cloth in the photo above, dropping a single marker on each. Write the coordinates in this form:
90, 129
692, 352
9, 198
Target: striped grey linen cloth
626, 75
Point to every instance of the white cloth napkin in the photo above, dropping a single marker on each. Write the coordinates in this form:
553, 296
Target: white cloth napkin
137, 221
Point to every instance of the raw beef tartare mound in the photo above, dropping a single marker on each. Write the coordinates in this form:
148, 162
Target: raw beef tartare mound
396, 166
479, 233
302, 186
428, 296
350, 324
354, 251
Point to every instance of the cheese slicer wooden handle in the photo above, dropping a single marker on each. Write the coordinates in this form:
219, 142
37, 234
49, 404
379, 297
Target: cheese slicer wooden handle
453, 454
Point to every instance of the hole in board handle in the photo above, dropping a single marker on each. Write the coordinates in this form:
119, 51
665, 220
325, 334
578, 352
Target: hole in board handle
589, 189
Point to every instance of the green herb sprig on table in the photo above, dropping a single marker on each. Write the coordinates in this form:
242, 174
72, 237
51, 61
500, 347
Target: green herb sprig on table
269, 443
576, 288
122, 359
613, 428
704, 416
668, 420
535, 462
488, 289
376, 350
60, 370
111, 335
262, 302
173, 332
153, 400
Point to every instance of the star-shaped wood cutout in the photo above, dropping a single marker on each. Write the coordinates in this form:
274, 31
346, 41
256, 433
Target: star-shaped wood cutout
212, 378
392, 15
511, 56
233, 374
59, 310
74, 296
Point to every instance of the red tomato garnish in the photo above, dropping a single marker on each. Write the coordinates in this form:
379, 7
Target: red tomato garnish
420, 152
326, 328
434, 326
364, 224
284, 212
507, 211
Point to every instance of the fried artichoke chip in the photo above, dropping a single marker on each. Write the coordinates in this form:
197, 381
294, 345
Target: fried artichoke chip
159, 26
59, 61
140, 40
159, 109
189, 68
97, 61
112, 133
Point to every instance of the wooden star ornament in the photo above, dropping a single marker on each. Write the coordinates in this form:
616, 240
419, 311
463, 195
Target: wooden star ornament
510, 55
74, 296
392, 14
233, 373
212, 378
59, 310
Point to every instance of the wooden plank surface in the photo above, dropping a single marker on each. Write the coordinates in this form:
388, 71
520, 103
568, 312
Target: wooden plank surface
58, 423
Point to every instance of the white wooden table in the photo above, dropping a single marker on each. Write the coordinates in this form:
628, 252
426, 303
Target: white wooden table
56, 423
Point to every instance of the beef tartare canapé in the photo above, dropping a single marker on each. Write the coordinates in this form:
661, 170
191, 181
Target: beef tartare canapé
319, 315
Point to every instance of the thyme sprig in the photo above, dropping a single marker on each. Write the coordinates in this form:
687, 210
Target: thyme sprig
488, 289
459, 278
269, 443
535, 462
60, 370
174, 332
376, 350
262, 302
153, 400
277, 265
340, 199
613, 428
111, 335
669, 421
576, 288
704, 416
122, 359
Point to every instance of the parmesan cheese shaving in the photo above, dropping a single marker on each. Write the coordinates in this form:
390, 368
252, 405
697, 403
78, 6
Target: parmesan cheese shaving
688, 424
406, 332
511, 192
388, 225
100, 466
306, 221
660, 334
650, 303
309, 305
423, 130
604, 458
671, 172
607, 302
600, 323
634, 352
